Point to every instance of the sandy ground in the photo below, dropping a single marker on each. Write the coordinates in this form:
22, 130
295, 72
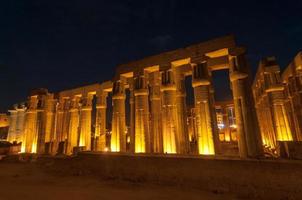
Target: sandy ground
26, 181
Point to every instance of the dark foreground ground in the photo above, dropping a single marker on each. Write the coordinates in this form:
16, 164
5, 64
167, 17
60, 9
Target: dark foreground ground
119, 176
28, 181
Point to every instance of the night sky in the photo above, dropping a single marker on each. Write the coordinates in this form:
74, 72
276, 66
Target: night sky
64, 44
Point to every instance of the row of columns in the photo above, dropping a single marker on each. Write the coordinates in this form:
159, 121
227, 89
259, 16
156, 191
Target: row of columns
292, 80
16, 124
157, 113
164, 130
269, 96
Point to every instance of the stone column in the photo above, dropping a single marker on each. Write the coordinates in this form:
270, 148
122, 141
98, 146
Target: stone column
169, 111
100, 127
20, 123
73, 132
298, 97
264, 116
61, 126
29, 143
85, 122
275, 92
247, 127
182, 135
155, 108
217, 146
12, 131
132, 115
118, 136
142, 134
58, 125
48, 125
203, 107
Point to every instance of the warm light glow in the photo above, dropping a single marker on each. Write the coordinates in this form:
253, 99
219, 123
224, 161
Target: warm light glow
205, 134
34, 147
114, 143
169, 140
282, 125
106, 149
221, 137
82, 142
128, 139
115, 147
220, 126
233, 126
22, 147
227, 136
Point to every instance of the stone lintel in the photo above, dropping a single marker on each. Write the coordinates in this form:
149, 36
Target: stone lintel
200, 82
140, 92
236, 75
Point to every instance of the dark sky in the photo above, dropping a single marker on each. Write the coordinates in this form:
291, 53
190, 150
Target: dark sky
63, 44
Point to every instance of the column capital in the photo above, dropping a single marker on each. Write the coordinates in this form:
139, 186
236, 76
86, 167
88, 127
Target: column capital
199, 59
167, 80
200, 72
236, 51
118, 89
238, 65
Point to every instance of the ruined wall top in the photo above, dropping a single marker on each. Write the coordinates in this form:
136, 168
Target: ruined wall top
293, 67
91, 89
80, 91
165, 58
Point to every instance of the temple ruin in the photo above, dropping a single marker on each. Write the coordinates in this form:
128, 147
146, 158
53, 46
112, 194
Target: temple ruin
149, 113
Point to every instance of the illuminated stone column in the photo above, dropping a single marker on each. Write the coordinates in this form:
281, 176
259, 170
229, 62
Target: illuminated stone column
58, 125
142, 134
61, 125
203, 107
132, 115
49, 121
247, 127
12, 131
73, 132
292, 80
275, 92
85, 122
100, 127
155, 109
297, 62
169, 111
264, 116
42, 120
20, 123
29, 141
118, 136
269, 96
182, 129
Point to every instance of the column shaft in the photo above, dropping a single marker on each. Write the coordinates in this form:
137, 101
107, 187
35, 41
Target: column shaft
85, 123
156, 136
142, 134
101, 121
182, 134
132, 116
169, 112
11, 137
20, 124
247, 128
118, 136
204, 108
73, 132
